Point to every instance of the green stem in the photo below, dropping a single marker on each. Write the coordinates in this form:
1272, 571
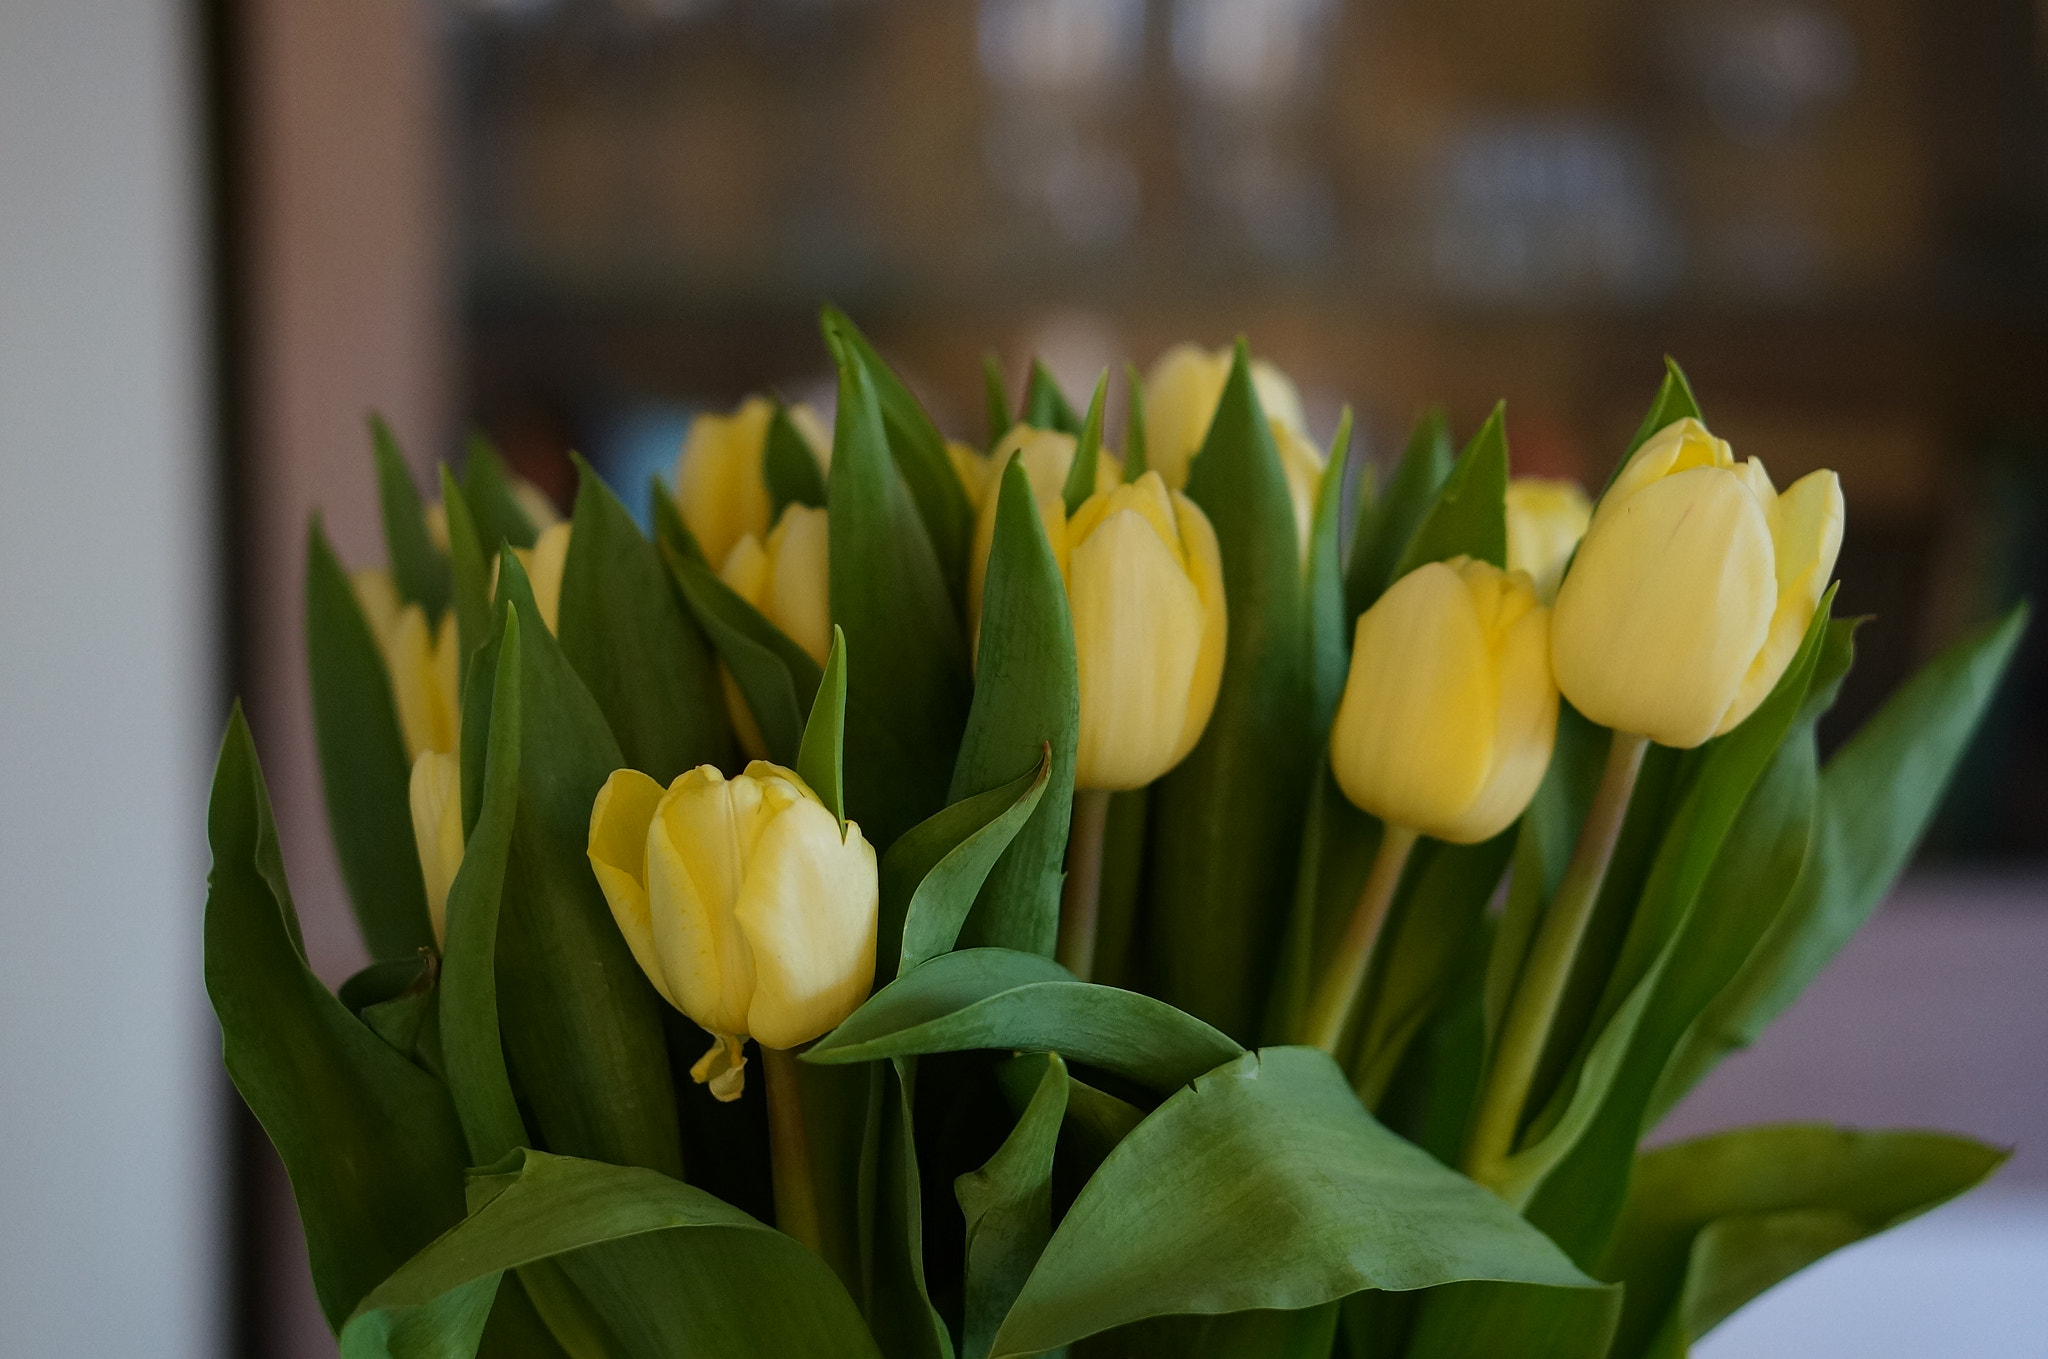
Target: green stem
1081, 899
789, 1155
1541, 988
1345, 977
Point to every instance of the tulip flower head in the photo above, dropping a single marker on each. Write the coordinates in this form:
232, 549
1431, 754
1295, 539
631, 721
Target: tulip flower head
422, 660
742, 901
1047, 456
789, 579
1693, 588
1546, 519
435, 794
1449, 712
721, 489
1145, 588
1181, 393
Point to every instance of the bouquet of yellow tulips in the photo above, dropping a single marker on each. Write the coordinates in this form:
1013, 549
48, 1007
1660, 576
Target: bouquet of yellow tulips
935, 899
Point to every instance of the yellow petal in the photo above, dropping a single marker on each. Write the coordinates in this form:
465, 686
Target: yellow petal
435, 795
1181, 393
720, 487
1204, 561
1302, 464
1678, 447
975, 470
723, 1069
1525, 715
799, 590
1667, 604
413, 683
377, 594
1806, 536
619, 823
1047, 456
697, 847
814, 431
1546, 519
544, 569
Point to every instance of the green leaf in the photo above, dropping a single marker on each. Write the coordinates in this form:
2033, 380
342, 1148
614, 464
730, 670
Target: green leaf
1714, 1222
1876, 797
714, 1280
1457, 1322
582, 1025
1469, 516
368, 1139
363, 767
1027, 700
418, 568
995, 401
899, 1305
1045, 406
820, 760
1134, 424
487, 486
790, 466
1265, 1334
999, 998
1265, 1185
1095, 1121
1329, 624
919, 450
469, 575
1008, 1206
1226, 824
1087, 452
930, 877
890, 596
1386, 525
1338, 843
1674, 401
633, 644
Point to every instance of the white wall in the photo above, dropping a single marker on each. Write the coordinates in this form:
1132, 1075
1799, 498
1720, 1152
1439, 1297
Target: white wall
110, 1093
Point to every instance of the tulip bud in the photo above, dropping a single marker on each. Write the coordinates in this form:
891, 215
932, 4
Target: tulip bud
720, 486
1145, 587
1047, 456
436, 798
789, 579
422, 661
1181, 393
742, 901
1546, 519
1449, 712
1692, 589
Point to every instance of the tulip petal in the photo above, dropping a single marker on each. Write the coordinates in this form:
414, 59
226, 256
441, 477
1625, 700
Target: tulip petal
1678, 447
799, 591
1806, 533
435, 795
697, 849
719, 483
808, 909
544, 570
1524, 731
1205, 569
619, 822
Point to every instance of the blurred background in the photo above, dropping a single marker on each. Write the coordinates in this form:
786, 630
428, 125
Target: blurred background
230, 228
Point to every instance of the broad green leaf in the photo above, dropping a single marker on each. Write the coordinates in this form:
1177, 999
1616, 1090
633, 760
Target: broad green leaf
1329, 624
1226, 824
487, 486
790, 466
1469, 515
995, 401
1386, 524
1026, 700
1008, 1206
898, 1303
1464, 1321
1265, 1185
1095, 1121
469, 575
1045, 405
1674, 401
1087, 451
930, 877
1712, 1223
633, 644
717, 1282
890, 596
363, 767
582, 1025
1002, 999
1134, 424
1262, 1334
820, 760
919, 450
1876, 797
418, 568
368, 1139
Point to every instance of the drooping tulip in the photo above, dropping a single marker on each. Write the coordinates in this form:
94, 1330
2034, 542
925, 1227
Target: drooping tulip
1449, 712
422, 660
789, 579
1692, 588
435, 794
744, 903
1145, 588
721, 488
1181, 393
1546, 519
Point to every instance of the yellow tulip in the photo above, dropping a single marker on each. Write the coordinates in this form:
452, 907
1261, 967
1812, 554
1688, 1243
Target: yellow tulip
436, 797
720, 487
1450, 711
1047, 456
422, 662
742, 901
1692, 589
1546, 519
1145, 587
1181, 393
977, 471
789, 579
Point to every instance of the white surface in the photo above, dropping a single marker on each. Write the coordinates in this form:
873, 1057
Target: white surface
109, 1088
1968, 1281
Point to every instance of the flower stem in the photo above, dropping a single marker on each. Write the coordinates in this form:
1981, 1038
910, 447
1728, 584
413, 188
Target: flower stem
1345, 976
789, 1155
1541, 988
1082, 897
